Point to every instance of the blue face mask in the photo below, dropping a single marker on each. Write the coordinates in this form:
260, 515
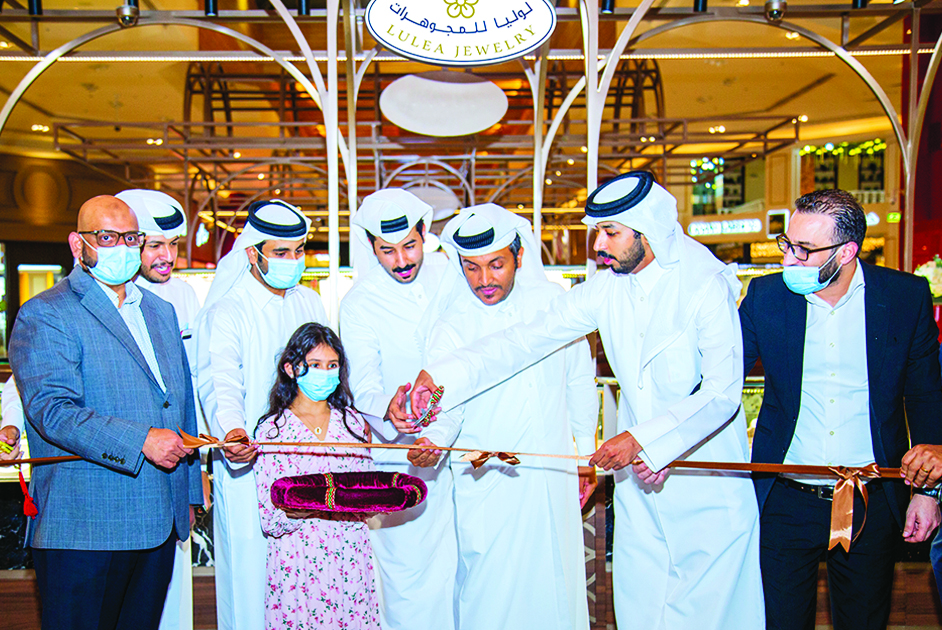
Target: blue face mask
116, 265
319, 384
282, 273
807, 280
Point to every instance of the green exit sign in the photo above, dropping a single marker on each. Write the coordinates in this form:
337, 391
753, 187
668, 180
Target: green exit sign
894, 217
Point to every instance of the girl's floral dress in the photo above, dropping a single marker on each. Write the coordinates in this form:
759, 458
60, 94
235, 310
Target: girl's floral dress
320, 570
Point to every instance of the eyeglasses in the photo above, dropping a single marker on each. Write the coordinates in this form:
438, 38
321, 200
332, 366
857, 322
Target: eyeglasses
110, 238
799, 252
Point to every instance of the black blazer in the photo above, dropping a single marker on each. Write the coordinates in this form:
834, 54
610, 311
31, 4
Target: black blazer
902, 366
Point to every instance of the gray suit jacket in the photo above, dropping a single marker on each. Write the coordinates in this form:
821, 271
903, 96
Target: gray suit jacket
87, 390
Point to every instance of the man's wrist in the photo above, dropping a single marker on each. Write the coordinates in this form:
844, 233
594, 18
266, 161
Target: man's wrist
929, 492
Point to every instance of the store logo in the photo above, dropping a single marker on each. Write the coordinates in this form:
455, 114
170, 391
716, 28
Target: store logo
718, 228
461, 32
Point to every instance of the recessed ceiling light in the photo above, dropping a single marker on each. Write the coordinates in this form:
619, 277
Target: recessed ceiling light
261, 175
570, 161
40, 128
792, 35
4, 44
237, 155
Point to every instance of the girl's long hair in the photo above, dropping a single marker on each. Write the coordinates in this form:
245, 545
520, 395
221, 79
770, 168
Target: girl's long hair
285, 389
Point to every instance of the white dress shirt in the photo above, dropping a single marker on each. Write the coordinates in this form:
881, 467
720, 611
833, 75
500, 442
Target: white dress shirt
833, 427
130, 311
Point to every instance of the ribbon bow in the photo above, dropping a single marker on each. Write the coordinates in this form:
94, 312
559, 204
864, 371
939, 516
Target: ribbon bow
479, 458
191, 441
842, 505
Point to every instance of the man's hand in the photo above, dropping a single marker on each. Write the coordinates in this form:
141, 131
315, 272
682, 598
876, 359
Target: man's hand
423, 458
164, 448
922, 465
922, 518
239, 453
648, 476
397, 414
588, 482
422, 392
616, 453
10, 435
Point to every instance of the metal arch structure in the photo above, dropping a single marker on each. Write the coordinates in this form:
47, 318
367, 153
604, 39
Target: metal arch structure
317, 93
47, 61
839, 51
231, 176
466, 185
54, 56
909, 144
602, 73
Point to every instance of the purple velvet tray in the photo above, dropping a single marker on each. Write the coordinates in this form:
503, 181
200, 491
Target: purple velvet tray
349, 492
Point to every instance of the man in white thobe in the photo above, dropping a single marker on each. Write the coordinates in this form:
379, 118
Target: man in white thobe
416, 549
686, 548
522, 519
162, 220
12, 421
253, 306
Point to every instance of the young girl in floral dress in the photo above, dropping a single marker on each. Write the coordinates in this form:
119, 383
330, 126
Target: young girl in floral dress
320, 572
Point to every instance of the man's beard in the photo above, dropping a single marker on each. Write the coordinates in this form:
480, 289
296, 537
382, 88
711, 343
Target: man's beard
828, 274
630, 262
152, 276
87, 262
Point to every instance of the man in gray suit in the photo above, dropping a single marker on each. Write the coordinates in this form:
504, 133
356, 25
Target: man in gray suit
103, 375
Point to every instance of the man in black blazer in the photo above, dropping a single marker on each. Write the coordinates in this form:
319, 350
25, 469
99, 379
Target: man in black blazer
846, 347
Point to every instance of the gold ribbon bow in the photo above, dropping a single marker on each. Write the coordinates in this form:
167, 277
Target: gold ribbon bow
191, 441
479, 458
842, 505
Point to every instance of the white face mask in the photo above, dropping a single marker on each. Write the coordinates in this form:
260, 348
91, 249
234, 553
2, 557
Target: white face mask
116, 265
282, 273
807, 280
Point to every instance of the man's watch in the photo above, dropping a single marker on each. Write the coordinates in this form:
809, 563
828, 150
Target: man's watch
929, 492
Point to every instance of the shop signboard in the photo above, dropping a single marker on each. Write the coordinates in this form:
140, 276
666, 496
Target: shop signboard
731, 226
461, 32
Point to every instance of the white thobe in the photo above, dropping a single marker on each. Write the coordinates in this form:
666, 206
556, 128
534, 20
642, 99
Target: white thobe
686, 554
416, 549
178, 607
11, 414
520, 540
239, 341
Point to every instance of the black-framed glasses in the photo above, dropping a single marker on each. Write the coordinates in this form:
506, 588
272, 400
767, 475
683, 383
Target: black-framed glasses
798, 251
110, 238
